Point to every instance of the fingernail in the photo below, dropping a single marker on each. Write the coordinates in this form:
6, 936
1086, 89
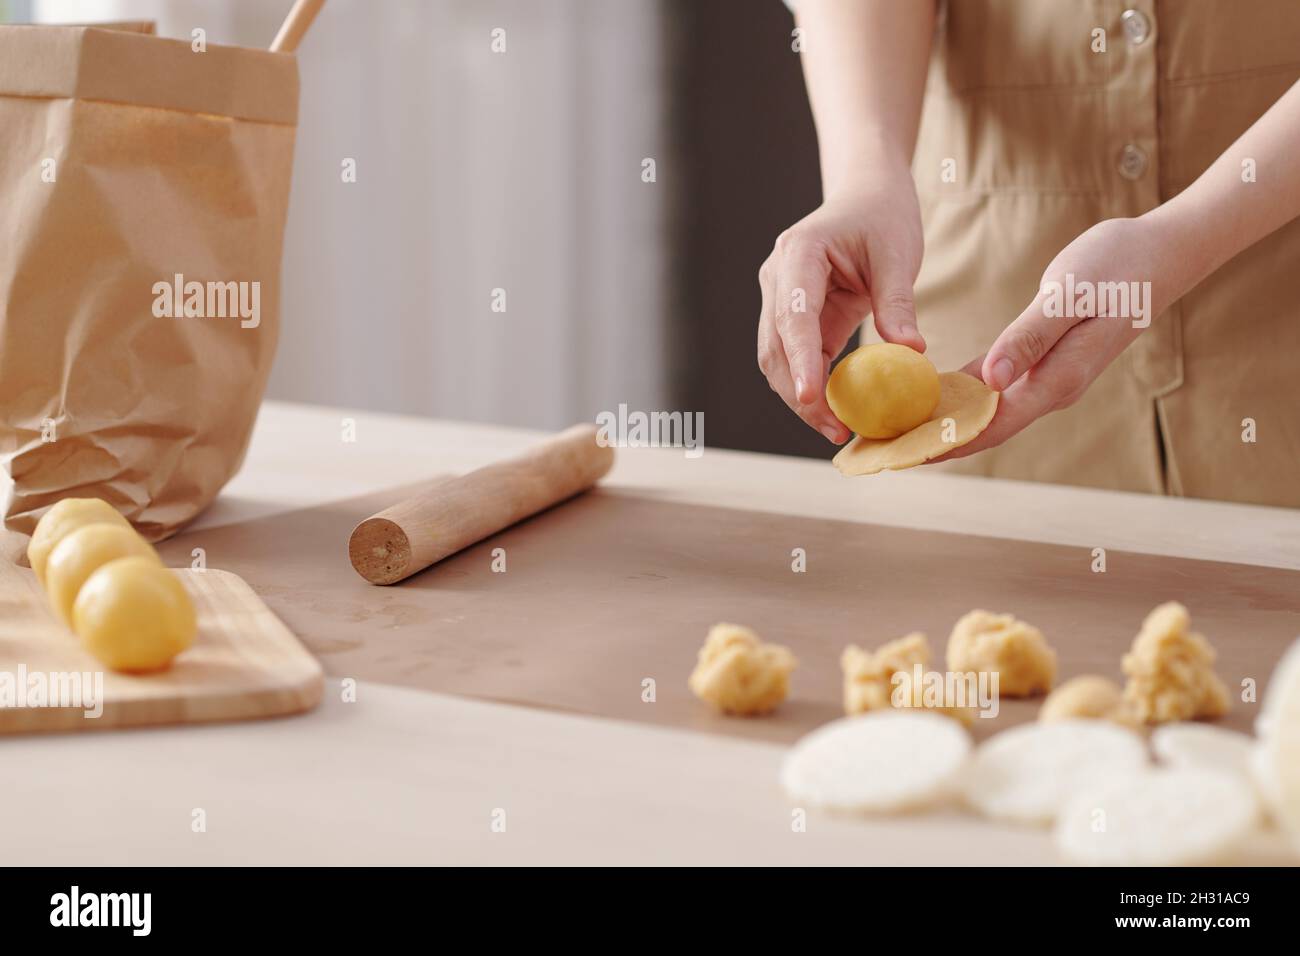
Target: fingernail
1003, 370
832, 434
801, 389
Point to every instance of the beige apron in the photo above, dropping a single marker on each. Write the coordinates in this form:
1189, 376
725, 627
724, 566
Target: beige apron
1049, 138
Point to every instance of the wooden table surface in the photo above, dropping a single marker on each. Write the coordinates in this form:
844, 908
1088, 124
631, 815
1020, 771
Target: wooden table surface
403, 776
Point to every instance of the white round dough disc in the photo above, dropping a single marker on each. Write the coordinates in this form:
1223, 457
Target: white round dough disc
1175, 817
1279, 730
1028, 773
1203, 745
1263, 775
877, 762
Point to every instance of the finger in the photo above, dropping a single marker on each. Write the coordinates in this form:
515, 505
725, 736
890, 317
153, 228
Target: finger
771, 357
975, 367
802, 273
818, 413
841, 316
775, 367
892, 303
1054, 383
1023, 344
820, 416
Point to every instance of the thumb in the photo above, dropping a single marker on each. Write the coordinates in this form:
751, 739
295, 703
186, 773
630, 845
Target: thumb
975, 367
1023, 344
892, 305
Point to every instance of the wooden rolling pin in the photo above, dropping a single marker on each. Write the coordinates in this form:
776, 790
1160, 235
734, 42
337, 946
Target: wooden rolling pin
455, 513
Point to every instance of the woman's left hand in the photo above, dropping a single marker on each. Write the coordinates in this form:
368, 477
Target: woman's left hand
1046, 359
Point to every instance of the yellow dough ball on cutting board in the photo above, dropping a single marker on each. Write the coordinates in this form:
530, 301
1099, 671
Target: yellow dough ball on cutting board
63, 518
134, 615
81, 553
883, 390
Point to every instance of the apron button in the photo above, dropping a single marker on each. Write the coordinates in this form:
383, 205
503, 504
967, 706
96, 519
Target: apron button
1136, 26
1132, 162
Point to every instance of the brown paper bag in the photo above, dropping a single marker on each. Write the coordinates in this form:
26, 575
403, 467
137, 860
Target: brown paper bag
143, 193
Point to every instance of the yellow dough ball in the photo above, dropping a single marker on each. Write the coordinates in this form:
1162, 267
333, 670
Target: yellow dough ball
883, 390
63, 518
134, 615
81, 553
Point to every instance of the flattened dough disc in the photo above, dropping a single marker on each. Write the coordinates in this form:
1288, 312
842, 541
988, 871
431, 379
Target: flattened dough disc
963, 398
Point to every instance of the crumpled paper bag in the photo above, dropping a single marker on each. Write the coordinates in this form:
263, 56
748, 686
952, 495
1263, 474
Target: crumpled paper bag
143, 192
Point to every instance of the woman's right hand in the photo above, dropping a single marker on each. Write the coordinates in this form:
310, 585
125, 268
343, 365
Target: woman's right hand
857, 253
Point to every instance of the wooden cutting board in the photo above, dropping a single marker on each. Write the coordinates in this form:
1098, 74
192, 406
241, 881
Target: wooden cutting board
245, 663
613, 589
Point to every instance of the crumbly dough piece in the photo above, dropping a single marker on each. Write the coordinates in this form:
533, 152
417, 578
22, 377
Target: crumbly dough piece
963, 398
1000, 643
1170, 670
1087, 697
738, 674
868, 677
869, 681
934, 696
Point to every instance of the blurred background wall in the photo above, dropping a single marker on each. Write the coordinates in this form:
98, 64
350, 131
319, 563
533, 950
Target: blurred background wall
524, 171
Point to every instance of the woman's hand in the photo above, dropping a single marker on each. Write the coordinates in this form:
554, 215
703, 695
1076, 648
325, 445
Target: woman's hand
1042, 363
858, 252
1045, 360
